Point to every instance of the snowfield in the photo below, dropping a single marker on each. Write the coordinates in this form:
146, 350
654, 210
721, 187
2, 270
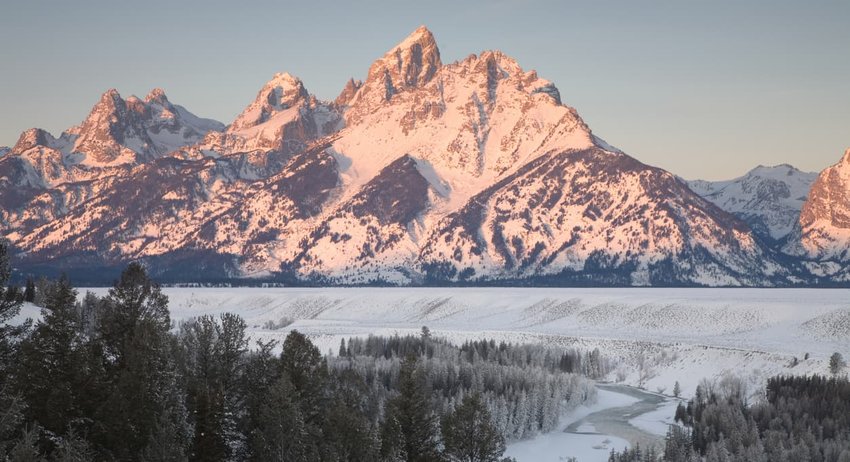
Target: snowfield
682, 334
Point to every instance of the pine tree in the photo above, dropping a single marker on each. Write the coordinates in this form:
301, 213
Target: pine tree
10, 334
140, 377
677, 389
53, 362
836, 363
26, 448
282, 434
469, 434
215, 358
307, 371
29, 292
410, 413
349, 434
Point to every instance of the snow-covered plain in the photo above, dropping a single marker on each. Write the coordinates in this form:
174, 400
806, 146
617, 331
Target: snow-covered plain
684, 334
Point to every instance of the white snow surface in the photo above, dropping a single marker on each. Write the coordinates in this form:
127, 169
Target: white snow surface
686, 334
765, 196
558, 446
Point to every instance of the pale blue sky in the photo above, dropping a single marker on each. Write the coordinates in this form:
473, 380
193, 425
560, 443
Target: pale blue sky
703, 89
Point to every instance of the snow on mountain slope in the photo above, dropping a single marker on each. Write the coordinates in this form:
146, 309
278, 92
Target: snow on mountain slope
282, 120
769, 199
596, 211
824, 227
119, 131
43, 176
424, 172
175, 205
373, 235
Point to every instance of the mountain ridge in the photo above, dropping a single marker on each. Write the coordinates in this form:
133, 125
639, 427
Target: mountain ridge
471, 172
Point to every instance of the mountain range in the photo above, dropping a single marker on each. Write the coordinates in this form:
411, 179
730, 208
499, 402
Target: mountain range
472, 172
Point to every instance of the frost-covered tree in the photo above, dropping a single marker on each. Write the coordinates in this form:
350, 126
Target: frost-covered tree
836, 363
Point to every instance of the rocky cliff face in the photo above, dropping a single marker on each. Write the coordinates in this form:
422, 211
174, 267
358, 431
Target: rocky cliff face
473, 171
824, 226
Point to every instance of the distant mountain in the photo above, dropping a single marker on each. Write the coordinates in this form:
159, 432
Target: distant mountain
472, 172
769, 199
43, 177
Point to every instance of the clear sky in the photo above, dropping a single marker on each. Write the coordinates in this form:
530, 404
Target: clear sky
705, 89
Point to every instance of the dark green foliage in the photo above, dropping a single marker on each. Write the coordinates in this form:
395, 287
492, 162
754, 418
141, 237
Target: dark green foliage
282, 435
307, 370
26, 448
139, 381
635, 454
10, 306
469, 434
29, 291
214, 367
349, 433
410, 424
53, 363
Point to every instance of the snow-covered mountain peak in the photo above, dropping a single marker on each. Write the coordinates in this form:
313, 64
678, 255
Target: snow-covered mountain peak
411, 64
31, 138
473, 170
282, 92
157, 95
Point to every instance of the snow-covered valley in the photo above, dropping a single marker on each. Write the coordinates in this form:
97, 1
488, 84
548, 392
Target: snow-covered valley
678, 335
683, 334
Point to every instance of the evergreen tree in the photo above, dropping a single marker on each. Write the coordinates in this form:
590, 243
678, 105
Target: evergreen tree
10, 306
349, 433
410, 419
677, 389
53, 362
29, 292
469, 434
307, 371
282, 434
26, 448
836, 363
140, 376
215, 357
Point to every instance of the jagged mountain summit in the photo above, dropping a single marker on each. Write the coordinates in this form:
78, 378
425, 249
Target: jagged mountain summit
426, 172
769, 199
43, 177
823, 233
